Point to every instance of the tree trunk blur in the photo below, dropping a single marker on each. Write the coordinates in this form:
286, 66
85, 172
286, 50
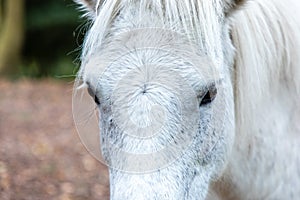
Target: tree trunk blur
11, 35
1, 17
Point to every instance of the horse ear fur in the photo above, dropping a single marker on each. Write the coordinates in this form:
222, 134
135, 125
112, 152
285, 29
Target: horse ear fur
233, 6
88, 6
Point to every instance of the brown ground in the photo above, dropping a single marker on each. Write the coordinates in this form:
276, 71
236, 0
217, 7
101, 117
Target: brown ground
41, 156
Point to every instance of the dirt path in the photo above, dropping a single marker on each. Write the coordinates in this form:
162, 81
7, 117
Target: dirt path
41, 156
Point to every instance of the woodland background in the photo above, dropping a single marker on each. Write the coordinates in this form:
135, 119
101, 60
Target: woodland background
41, 155
40, 38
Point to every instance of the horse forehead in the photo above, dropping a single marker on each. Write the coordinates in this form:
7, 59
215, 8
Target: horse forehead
132, 52
99, 71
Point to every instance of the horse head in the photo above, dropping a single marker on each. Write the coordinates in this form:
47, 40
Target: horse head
160, 74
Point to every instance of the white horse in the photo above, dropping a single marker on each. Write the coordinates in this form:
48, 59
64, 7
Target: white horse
200, 95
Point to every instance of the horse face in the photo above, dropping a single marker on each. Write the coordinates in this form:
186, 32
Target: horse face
165, 101
165, 114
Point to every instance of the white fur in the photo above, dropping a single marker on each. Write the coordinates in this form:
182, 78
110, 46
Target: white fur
255, 156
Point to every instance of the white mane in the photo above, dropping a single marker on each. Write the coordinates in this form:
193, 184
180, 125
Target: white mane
266, 36
267, 41
181, 16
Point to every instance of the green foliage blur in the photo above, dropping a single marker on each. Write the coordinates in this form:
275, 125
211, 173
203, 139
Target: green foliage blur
54, 32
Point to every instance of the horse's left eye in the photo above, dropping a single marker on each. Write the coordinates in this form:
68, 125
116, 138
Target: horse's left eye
209, 96
93, 95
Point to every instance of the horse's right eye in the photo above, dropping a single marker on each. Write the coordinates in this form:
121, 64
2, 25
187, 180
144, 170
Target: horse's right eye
93, 95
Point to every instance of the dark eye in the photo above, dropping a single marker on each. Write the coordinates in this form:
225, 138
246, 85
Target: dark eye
209, 96
92, 94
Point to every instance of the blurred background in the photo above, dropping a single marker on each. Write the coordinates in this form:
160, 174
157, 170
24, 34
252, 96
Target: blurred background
39, 38
41, 156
